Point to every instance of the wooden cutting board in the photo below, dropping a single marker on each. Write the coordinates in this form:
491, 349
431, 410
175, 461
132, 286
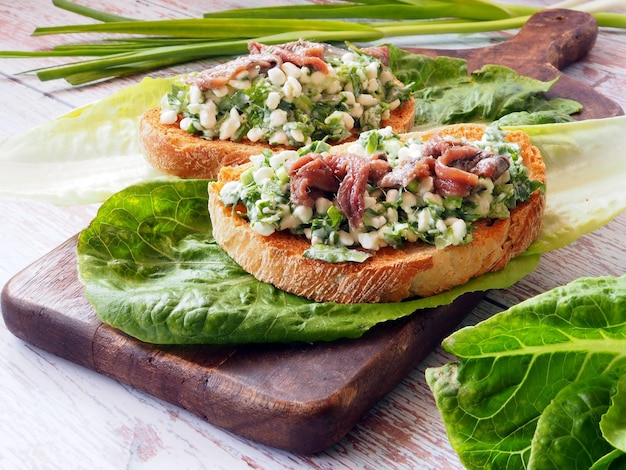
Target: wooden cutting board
302, 398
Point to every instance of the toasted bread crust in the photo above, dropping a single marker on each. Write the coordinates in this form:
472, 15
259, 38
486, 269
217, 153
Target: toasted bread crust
169, 148
392, 274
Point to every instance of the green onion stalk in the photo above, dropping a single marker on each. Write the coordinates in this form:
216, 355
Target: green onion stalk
146, 45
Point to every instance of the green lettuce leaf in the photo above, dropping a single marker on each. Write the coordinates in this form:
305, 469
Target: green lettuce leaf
151, 267
613, 423
584, 208
445, 93
542, 384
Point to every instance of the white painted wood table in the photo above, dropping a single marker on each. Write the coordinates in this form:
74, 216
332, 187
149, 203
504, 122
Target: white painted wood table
57, 415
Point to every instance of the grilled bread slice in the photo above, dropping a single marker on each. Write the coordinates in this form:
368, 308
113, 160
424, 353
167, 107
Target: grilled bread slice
172, 150
288, 84
391, 274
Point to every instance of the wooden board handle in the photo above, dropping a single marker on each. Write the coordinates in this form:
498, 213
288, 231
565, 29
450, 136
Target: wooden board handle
549, 41
554, 36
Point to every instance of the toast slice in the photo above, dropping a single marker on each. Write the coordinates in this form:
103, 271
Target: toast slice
172, 150
287, 94
392, 274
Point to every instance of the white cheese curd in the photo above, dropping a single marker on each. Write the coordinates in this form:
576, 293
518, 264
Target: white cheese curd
230, 125
283, 177
305, 214
195, 95
305, 74
316, 239
186, 123
292, 89
278, 117
263, 174
372, 85
230, 193
257, 160
483, 201
333, 87
289, 222
441, 226
336, 116
369, 202
348, 121
208, 115
240, 84
386, 76
426, 185
291, 70
391, 215
392, 196
369, 240
346, 239
255, 134
169, 116
277, 160
372, 70
423, 220
409, 201
387, 133
297, 135
366, 100
279, 138
432, 198
194, 108
459, 230
322, 205
273, 100
263, 228
349, 58
220, 92
404, 153
377, 221
348, 96
276, 76
317, 78
356, 111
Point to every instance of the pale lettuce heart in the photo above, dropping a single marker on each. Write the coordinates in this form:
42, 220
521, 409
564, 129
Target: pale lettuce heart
84, 156
586, 167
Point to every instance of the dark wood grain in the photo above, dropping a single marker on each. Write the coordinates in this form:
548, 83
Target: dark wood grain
298, 397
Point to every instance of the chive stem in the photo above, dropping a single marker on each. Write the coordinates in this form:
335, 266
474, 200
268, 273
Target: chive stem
162, 43
88, 12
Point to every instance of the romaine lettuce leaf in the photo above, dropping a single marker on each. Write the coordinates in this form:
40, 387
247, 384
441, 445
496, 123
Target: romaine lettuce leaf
84, 156
445, 93
151, 267
542, 384
586, 167
613, 423
580, 211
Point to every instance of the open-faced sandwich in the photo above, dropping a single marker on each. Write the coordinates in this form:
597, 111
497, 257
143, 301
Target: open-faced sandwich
278, 96
384, 218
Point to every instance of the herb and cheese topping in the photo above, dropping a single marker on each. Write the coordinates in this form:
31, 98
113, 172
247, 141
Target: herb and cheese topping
381, 191
289, 94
